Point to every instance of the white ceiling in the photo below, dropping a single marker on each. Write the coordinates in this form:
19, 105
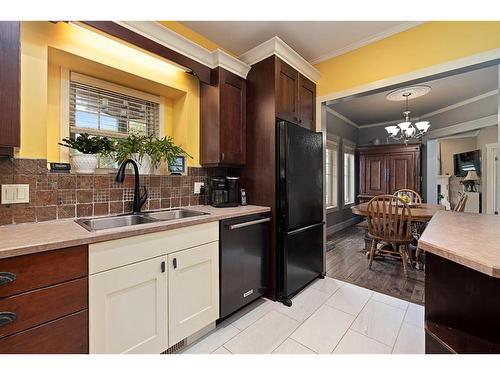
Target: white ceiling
313, 40
444, 92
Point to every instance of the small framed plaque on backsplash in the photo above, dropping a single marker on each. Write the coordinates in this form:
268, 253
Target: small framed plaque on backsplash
178, 166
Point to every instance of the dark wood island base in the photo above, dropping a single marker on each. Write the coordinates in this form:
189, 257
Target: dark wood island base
462, 309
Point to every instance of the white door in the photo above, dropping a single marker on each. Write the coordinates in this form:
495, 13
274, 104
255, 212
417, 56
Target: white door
193, 290
128, 309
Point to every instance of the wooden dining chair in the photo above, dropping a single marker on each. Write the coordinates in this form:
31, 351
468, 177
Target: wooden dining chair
416, 198
389, 220
460, 207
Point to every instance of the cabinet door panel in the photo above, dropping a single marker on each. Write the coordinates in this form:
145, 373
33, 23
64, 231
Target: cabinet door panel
232, 119
401, 172
373, 178
128, 309
287, 82
193, 290
307, 103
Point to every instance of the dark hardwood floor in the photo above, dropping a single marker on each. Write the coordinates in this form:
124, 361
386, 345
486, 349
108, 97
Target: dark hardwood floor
346, 260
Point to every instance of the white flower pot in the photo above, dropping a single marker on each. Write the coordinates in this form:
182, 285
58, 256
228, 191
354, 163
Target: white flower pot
144, 163
84, 163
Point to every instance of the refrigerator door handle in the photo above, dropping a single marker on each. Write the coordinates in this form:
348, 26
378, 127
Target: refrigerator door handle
248, 223
306, 228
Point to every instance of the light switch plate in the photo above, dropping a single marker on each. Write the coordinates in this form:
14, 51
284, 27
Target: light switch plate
197, 187
15, 193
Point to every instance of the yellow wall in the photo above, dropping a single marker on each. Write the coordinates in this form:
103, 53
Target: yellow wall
40, 81
425, 45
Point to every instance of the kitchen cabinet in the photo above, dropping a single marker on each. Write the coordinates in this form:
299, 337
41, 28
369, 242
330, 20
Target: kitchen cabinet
223, 120
10, 86
193, 290
385, 169
128, 309
43, 302
295, 96
151, 291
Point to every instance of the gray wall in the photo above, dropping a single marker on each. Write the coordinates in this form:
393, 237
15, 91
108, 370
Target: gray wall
342, 130
468, 112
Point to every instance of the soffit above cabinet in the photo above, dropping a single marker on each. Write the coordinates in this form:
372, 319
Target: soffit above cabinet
276, 46
163, 35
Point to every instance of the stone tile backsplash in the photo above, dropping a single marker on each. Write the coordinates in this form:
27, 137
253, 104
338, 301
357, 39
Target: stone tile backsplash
63, 196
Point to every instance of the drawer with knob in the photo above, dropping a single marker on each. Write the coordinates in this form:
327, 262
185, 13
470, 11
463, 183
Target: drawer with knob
27, 310
28, 272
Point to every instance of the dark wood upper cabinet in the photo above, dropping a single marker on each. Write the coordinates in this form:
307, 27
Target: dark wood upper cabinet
307, 102
10, 87
385, 169
223, 120
287, 98
295, 96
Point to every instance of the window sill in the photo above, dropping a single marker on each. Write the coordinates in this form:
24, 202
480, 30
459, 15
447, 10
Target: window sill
348, 205
331, 209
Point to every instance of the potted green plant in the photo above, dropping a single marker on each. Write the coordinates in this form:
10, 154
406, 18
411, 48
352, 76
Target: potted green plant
86, 148
164, 149
135, 147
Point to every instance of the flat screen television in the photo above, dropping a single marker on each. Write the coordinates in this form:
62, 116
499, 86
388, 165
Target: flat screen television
467, 161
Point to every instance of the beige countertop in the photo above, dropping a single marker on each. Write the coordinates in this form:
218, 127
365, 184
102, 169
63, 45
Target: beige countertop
472, 240
21, 239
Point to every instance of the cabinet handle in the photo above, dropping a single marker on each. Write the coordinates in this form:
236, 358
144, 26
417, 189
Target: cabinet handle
162, 266
249, 223
174, 263
300, 121
7, 317
222, 156
7, 278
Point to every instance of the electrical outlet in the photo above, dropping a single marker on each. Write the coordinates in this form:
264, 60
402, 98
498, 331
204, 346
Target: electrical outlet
198, 186
15, 193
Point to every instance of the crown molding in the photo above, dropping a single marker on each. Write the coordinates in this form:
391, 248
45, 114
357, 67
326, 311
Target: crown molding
164, 36
463, 127
436, 112
342, 117
276, 46
372, 39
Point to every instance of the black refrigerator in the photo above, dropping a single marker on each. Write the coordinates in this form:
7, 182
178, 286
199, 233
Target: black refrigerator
300, 199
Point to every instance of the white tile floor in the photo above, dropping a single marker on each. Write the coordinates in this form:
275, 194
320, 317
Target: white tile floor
329, 316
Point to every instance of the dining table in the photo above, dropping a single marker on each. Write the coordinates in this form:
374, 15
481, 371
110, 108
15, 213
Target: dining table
421, 214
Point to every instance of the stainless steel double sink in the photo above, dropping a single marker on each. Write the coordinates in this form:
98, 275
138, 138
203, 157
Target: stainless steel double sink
127, 220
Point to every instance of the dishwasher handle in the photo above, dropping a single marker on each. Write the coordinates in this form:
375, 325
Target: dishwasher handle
249, 223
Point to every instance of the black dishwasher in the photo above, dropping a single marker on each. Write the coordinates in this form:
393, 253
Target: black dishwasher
243, 261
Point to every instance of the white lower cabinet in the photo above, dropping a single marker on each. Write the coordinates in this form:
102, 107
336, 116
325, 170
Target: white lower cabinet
193, 290
148, 292
128, 309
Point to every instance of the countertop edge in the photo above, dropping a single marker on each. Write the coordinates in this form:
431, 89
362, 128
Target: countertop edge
114, 234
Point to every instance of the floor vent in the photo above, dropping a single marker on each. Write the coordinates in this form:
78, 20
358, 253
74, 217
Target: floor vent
176, 348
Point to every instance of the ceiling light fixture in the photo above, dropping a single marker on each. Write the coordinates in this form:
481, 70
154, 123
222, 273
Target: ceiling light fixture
406, 130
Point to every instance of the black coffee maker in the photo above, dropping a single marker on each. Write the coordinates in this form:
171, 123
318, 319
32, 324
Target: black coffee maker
224, 191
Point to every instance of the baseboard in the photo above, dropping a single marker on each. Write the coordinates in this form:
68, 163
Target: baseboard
342, 225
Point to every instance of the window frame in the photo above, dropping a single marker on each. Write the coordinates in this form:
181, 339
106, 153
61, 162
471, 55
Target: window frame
349, 148
332, 143
66, 76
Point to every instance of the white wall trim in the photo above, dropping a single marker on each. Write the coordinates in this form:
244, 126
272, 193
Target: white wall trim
472, 134
372, 39
463, 127
416, 74
491, 165
342, 225
436, 112
64, 113
168, 38
342, 117
276, 46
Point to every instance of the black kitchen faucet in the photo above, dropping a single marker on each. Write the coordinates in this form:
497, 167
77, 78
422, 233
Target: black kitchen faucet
120, 176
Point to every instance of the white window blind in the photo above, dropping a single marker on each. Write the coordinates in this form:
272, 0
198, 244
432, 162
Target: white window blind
331, 174
349, 193
98, 111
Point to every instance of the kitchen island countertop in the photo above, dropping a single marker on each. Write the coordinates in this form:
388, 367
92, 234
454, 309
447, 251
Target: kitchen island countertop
472, 240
